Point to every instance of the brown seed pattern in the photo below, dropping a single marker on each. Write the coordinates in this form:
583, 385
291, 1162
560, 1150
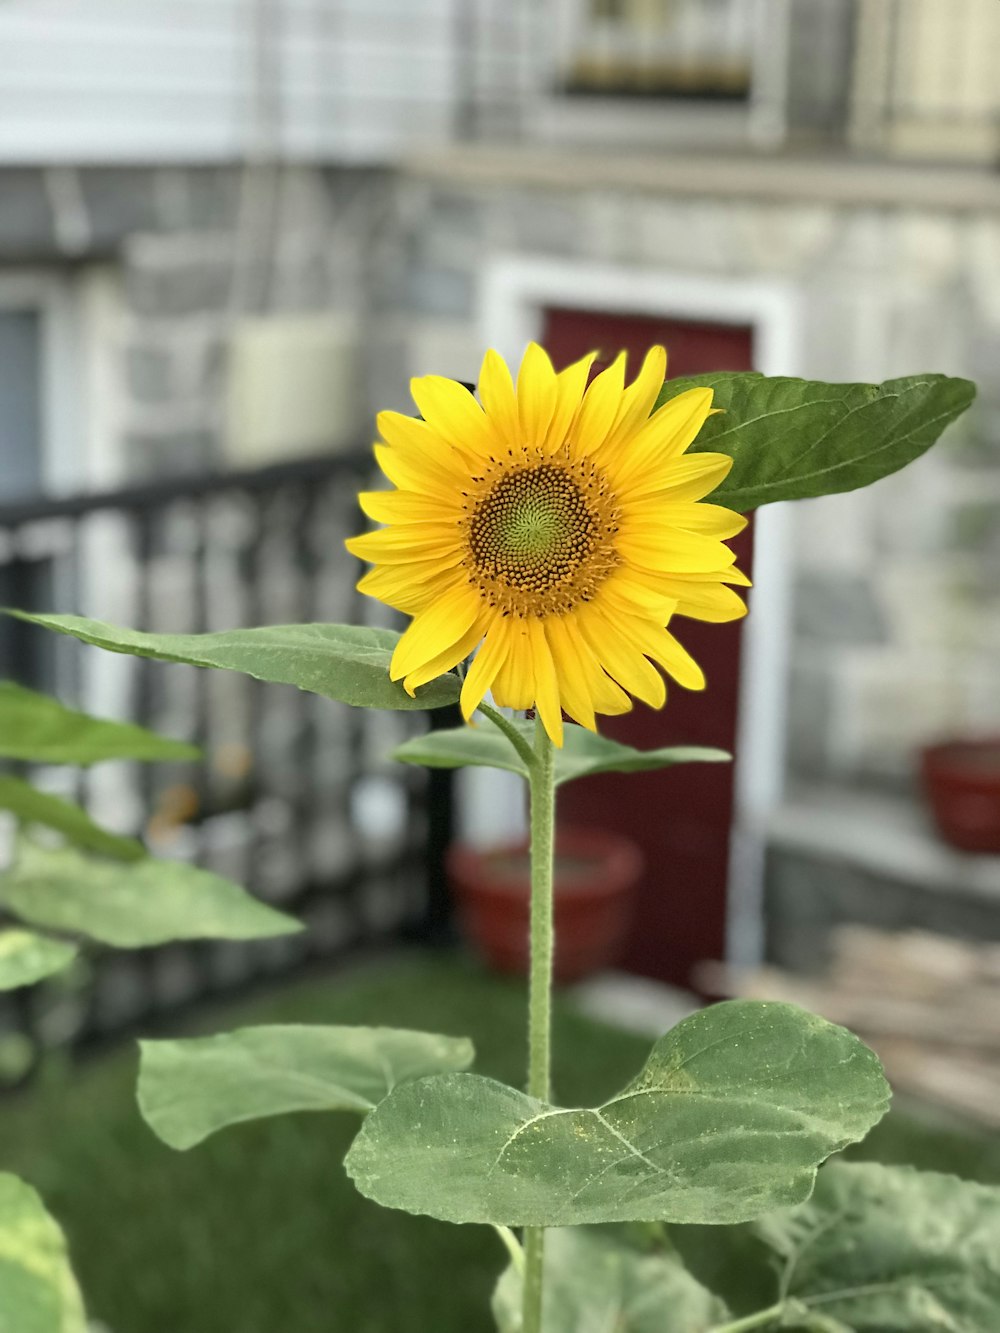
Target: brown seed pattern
540, 533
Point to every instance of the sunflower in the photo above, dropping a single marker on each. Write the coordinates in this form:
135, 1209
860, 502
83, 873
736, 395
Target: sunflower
557, 526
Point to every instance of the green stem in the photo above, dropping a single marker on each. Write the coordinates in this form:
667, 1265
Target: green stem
513, 1246
534, 1253
541, 777
524, 751
752, 1321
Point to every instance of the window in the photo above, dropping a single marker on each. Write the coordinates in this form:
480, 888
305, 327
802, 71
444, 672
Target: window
662, 48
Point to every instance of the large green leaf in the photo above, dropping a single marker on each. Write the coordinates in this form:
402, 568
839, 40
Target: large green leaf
594, 1283
32, 806
190, 1089
893, 1250
582, 753
39, 729
38, 1292
730, 1116
345, 662
132, 904
26, 957
790, 438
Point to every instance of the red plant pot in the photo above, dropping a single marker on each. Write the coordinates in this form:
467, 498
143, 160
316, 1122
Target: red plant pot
962, 782
596, 874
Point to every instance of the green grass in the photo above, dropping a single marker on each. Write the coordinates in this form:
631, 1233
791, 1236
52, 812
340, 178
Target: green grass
258, 1230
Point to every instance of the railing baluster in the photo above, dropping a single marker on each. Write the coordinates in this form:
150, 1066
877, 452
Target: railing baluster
298, 514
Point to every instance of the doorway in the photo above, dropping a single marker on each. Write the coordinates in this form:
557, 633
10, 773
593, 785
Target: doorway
681, 818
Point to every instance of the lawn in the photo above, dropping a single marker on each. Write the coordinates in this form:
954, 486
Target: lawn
258, 1230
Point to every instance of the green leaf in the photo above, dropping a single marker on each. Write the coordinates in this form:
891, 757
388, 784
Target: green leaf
596, 1284
39, 729
731, 1115
38, 1292
893, 1250
190, 1089
132, 904
790, 438
345, 662
26, 958
32, 806
582, 753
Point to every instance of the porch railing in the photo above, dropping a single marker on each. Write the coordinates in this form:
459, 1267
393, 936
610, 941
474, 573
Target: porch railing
295, 795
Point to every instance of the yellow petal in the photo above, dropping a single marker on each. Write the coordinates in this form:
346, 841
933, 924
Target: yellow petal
496, 392
637, 401
410, 472
709, 520
405, 507
728, 575
437, 666
424, 445
410, 587
407, 542
706, 601
450, 409
662, 647
689, 477
571, 384
668, 433
624, 595
673, 551
599, 408
546, 683
572, 685
485, 666
607, 697
435, 631
536, 395
514, 686
629, 668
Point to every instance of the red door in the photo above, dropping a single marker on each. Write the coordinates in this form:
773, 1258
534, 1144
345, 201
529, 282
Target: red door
680, 817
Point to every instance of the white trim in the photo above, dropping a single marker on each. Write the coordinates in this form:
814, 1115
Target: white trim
514, 291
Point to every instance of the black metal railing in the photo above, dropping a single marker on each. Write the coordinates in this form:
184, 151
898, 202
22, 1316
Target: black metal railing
295, 796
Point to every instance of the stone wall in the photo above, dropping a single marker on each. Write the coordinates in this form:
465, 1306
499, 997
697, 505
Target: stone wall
897, 607
190, 250
897, 588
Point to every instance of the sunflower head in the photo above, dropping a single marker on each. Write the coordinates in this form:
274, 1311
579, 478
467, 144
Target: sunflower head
558, 527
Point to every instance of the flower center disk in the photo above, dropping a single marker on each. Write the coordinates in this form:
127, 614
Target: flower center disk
539, 538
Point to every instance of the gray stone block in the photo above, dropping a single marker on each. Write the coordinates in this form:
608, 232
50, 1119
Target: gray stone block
26, 223
162, 453
838, 608
119, 201
808, 897
551, 224
191, 287
810, 695
440, 291
975, 531
458, 214
149, 374
210, 198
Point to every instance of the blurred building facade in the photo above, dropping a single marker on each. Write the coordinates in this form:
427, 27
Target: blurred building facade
212, 207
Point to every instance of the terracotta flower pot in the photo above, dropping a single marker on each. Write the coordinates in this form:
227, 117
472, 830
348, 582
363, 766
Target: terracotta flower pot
962, 782
595, 878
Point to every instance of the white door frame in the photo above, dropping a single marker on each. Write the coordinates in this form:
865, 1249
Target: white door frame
513, 293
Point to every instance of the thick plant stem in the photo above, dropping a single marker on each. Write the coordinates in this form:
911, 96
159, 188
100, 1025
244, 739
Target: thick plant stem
542, 780
543, 801
534, 1253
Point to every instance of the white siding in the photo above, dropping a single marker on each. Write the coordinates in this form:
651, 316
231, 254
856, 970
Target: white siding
141, 80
